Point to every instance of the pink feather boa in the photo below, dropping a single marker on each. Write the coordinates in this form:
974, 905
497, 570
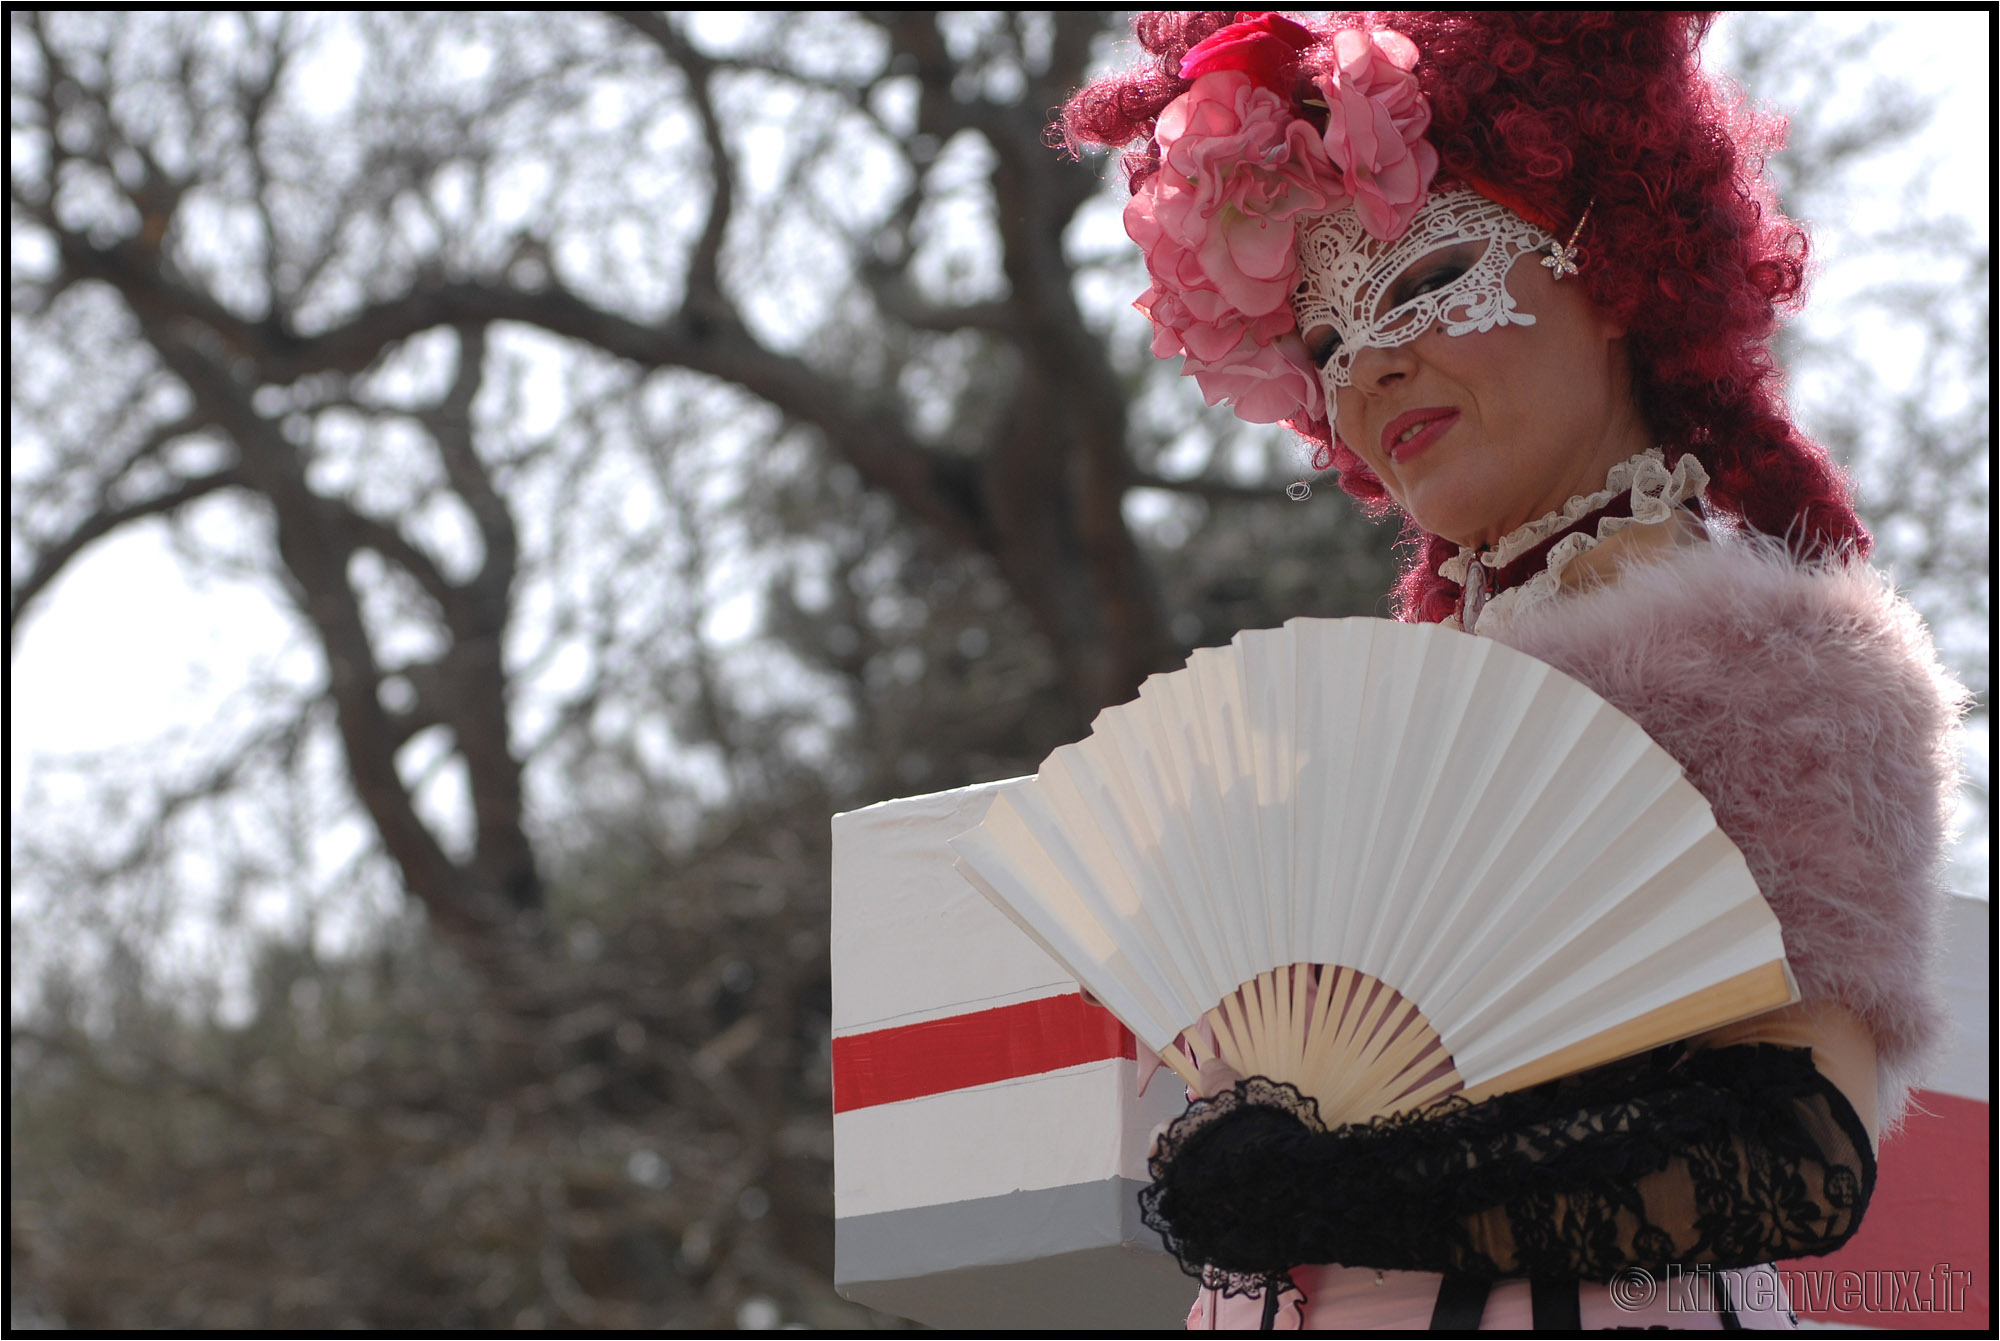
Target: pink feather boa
1807, 704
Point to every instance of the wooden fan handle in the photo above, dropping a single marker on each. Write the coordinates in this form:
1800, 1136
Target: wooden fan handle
1766, 987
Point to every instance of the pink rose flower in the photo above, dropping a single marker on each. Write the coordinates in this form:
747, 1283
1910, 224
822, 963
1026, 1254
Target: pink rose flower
1264, 384
1237, 166
1265, 48
1216, 225
1197, 323
1376, 119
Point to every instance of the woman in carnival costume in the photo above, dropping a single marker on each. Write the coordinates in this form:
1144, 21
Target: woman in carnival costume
1514, 275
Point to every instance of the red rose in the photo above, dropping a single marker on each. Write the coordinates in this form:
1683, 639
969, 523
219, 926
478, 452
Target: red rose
1266, 48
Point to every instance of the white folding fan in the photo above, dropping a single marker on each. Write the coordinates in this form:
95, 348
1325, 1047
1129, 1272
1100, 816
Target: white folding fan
1384, 862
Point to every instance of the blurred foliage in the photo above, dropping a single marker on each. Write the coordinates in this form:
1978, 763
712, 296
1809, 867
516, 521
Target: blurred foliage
646, 1146
702, 514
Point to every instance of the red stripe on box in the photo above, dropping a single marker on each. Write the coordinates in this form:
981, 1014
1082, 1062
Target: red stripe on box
982, 1047
1922, 1258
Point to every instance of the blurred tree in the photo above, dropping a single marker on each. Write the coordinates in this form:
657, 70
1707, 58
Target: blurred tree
661, 430
261, 275
511, 357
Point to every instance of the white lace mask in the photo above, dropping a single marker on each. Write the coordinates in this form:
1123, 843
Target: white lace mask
1449, 267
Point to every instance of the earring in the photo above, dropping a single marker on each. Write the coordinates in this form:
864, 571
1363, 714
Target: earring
1565, 258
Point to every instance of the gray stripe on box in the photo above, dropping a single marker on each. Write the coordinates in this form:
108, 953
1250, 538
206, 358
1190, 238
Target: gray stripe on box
1075, 1256
988, 1231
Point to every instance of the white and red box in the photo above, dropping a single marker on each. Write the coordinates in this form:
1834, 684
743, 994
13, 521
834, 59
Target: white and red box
989, 1134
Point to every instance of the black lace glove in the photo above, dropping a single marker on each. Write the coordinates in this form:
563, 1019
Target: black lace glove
1730, 1157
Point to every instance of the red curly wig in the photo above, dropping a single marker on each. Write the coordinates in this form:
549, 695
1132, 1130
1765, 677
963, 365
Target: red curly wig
1546, 111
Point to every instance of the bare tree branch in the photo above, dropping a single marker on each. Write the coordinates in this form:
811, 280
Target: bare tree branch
898, 300
704, 277
50, 562
1204, 487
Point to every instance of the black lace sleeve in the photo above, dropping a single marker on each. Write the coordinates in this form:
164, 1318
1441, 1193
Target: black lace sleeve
1729, 1157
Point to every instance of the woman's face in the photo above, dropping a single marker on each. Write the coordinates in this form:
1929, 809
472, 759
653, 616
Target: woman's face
1474, 434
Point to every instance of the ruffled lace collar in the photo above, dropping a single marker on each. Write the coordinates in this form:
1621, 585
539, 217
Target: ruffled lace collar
1654, 493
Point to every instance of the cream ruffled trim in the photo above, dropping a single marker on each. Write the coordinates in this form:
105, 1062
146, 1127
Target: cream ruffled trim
1655, 492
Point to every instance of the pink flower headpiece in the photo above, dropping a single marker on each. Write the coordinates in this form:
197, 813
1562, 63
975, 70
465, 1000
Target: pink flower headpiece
1238, 166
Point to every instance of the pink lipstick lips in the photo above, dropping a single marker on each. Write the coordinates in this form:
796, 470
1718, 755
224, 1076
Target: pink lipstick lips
1422, 427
